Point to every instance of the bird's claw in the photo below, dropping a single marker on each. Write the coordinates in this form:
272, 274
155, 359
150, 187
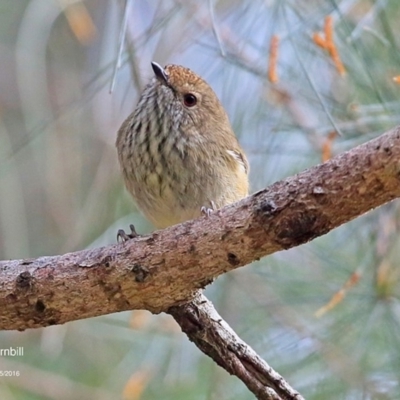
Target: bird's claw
123, 237
208, 211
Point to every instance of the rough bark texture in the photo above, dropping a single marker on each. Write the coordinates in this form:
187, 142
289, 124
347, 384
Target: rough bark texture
162, 270
214, 337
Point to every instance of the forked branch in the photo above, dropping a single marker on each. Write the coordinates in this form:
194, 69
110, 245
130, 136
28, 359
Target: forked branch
160, 272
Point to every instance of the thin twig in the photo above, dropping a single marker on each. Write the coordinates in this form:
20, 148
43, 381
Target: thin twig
214, 28
121, 41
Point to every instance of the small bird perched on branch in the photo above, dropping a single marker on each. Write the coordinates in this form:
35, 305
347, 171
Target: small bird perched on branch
178, 153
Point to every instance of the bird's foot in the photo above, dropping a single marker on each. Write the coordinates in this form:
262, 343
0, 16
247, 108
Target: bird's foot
208, 211
123, 237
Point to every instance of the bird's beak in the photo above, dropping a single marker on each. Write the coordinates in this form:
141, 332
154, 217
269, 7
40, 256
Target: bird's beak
160, 73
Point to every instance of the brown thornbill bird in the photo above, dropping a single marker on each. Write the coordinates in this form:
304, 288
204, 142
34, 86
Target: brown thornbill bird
178, 153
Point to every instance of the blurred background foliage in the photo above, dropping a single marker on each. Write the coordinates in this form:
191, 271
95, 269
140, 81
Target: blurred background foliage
325, 315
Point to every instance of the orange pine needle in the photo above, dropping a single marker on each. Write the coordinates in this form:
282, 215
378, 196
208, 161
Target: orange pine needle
339, 295
80, 22
329, 44
327, 146
319, 40
136, 385
328, 30
273, 59
336, 60
139, 319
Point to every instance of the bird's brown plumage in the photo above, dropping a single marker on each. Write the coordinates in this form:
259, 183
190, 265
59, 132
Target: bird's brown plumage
177, 157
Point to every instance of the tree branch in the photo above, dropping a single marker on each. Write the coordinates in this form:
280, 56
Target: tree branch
158, 271
214, 337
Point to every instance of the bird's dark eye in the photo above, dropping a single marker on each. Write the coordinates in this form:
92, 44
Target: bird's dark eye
190, 100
